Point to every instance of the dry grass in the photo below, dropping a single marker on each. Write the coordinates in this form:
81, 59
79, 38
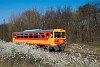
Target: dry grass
95, 45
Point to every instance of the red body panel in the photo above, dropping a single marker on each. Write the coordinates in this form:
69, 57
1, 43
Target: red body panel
60, 41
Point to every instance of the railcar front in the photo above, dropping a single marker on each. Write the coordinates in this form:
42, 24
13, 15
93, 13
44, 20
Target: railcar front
58, 39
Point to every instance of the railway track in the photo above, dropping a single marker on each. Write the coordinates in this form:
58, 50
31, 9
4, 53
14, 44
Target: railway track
94, 55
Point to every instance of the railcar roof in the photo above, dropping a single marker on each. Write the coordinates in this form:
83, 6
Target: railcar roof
39, 30
35, 31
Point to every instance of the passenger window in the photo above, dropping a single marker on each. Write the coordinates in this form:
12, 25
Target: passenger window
47, 35
21, 35
18, 35
31, 36
36, 35
25, 35
41, 35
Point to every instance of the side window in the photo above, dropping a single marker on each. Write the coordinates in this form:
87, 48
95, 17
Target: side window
31, 35
41, 35
47, 35
36, 35
25, 35
18, 35
21, 35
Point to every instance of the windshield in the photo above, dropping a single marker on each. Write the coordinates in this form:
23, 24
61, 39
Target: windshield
59, 34
63, 34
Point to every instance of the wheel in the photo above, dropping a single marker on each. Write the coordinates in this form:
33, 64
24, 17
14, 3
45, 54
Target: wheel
62, 47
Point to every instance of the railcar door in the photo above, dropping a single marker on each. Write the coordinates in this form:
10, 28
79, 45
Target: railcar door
51, 39
48, 38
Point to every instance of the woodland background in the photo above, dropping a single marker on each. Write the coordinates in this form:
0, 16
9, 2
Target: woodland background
82, 25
